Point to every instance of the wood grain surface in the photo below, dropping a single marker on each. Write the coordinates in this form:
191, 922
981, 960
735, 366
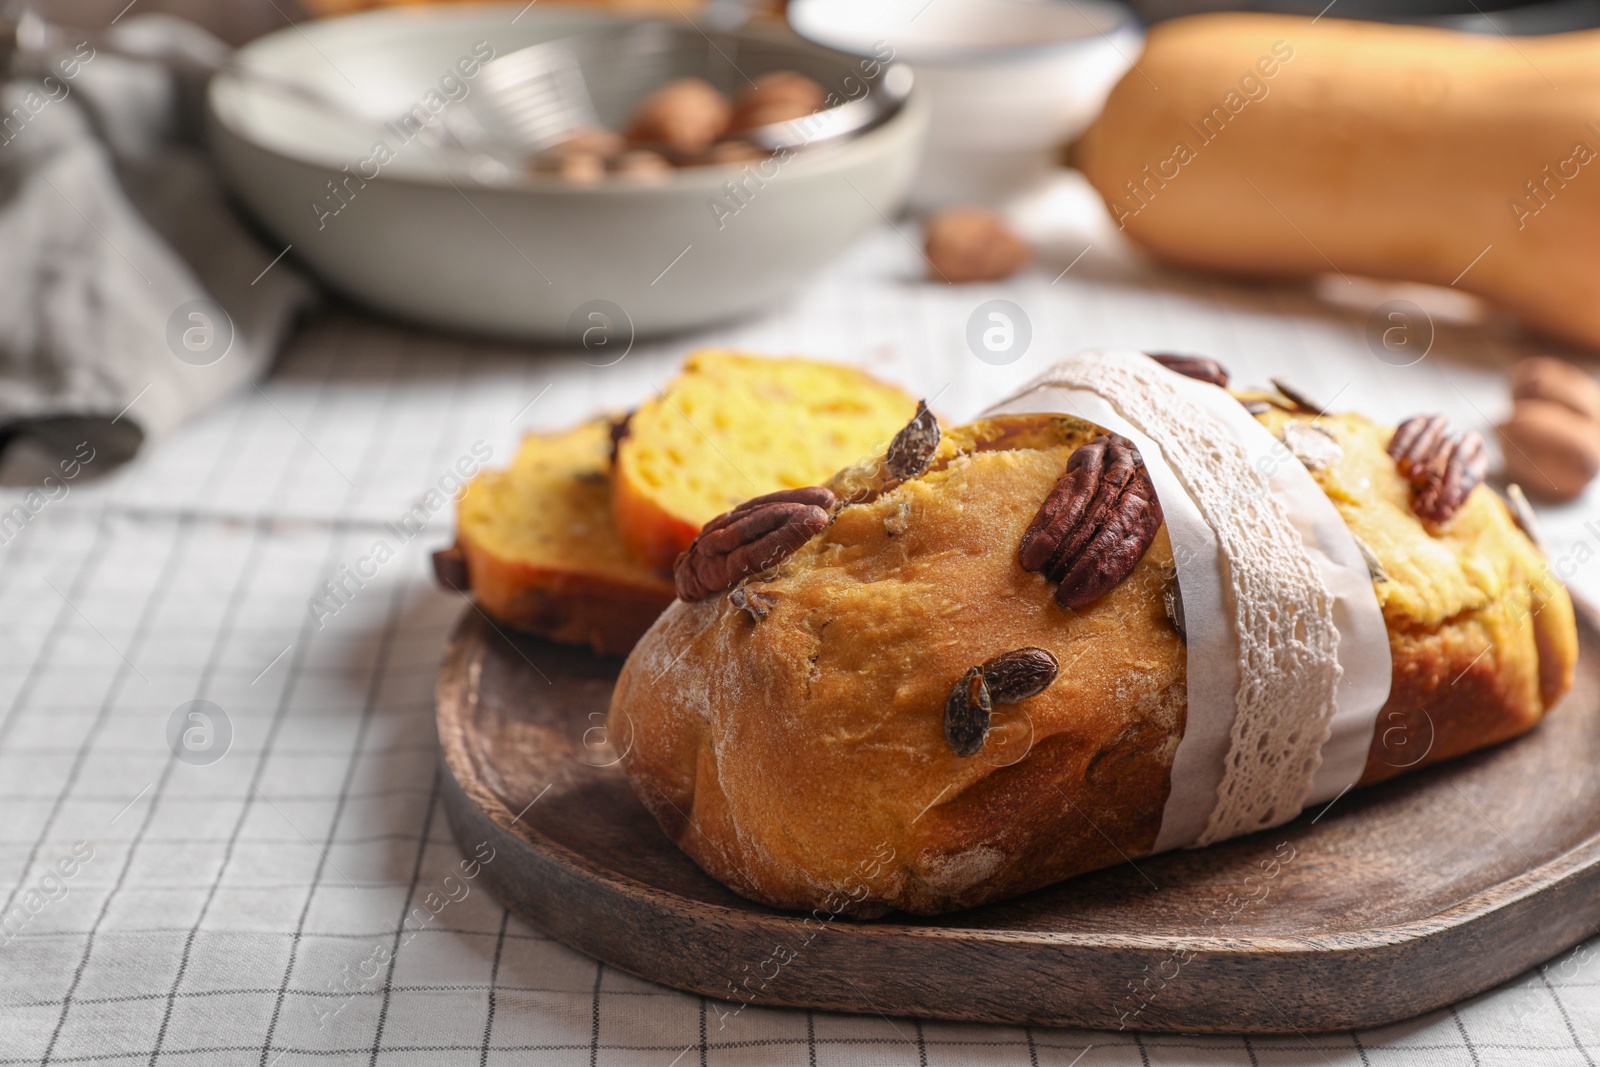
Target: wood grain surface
1389, 902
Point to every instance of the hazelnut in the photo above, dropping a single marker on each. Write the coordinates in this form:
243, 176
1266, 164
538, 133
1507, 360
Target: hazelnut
972, 245
594, 139
1544, 378
1551, 450
583, 168
641, 164
685, 115
777, 97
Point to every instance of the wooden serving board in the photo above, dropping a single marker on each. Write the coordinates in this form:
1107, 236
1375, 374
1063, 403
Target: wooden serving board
1395, 900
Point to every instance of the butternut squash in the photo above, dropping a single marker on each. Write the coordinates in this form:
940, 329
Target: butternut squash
1273, 146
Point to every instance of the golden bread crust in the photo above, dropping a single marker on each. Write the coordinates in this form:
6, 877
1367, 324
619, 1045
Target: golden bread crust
789, 756
565, 603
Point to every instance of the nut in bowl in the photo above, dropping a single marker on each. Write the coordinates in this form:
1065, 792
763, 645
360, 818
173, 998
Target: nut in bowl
402, 194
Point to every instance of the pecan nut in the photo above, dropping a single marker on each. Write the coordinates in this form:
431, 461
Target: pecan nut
757, 534
1015, 676
913, 447
966, 714
1443, 469
1198, 367
1008, 678
1172, 600
1096, 524
1301, 400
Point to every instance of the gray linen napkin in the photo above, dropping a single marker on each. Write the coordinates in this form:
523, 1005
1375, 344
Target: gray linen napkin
134, 296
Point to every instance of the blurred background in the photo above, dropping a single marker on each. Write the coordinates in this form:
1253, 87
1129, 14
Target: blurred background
356, 147
237, 21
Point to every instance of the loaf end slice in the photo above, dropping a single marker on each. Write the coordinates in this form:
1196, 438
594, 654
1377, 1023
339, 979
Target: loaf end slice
537, 547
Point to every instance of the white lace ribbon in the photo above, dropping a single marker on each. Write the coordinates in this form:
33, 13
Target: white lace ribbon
1288, 654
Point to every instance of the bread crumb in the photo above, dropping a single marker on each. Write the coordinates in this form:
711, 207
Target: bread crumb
898, 521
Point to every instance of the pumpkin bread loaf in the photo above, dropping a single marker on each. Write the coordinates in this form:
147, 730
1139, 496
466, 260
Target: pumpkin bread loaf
793, 733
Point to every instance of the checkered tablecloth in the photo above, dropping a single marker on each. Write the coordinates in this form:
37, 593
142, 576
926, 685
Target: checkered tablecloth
247, 909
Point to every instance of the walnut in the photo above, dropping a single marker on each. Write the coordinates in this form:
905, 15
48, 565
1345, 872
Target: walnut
972, 245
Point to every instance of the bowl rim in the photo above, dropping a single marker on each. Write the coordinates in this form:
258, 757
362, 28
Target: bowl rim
992, 55
706, 178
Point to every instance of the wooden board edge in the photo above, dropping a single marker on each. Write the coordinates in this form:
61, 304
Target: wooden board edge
1494, 925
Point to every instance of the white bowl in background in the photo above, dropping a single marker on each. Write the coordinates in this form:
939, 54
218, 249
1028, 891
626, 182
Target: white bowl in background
1010, 80
421, 240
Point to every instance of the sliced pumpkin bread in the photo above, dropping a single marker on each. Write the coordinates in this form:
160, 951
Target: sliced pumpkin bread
733, 426
537, 548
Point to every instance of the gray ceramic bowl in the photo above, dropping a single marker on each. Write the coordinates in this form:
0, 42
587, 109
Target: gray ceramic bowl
396, 226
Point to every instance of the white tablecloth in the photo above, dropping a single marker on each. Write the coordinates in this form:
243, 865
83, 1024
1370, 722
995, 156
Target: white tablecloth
248, 911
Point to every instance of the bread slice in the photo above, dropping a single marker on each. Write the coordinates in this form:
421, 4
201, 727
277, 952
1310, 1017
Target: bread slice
731, 427
536, 546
